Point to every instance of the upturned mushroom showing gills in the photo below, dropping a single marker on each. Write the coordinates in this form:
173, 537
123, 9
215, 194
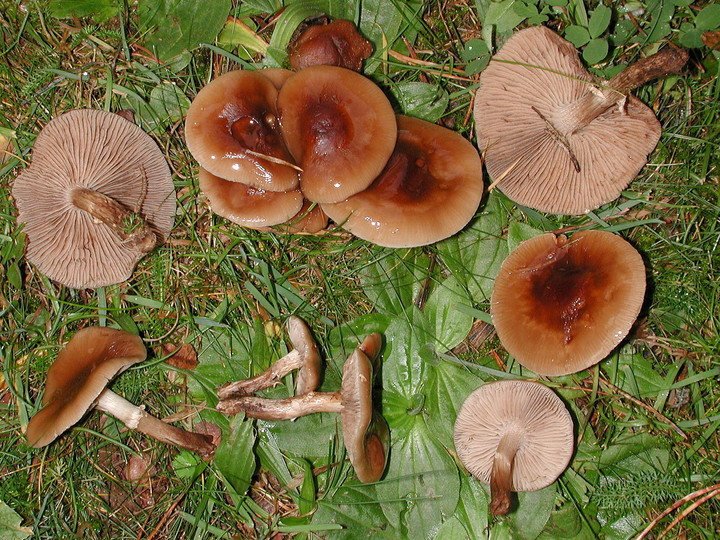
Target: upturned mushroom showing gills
429, 189
334, 44
561, 305
231, 129
514, 435
96, 198
554, 137
76, 383
339, 127
365, 432
305, 357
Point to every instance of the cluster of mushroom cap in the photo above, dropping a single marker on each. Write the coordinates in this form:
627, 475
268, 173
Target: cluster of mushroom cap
555, 137
326, 138
96, 198
77, 382
365, 431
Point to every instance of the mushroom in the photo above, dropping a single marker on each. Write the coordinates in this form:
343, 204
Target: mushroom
429, 189
304, 356
339, 127
231, 130
554, 137
96, 198
77, 380
310, 219
514, 435
334, 44
365, 433
560, 306
248, 206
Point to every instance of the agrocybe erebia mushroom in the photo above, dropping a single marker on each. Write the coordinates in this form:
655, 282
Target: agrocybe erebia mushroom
96, 198
77, 381
556, 138
561, 305
515, 436
365, 431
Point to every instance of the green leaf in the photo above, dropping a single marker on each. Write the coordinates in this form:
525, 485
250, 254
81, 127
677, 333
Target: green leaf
408, 344
234, 456
708, 18
10, 528
476, 66
421, 100
691, 37
472, 508
519, 232
422, 475
474, 48
356, 507
596, 51
451, 325
241, 33
503, 16
14, 276
174, 26
167, 104
533, 512
599, 21
577, 35
635, 374
474, 256
101, 10
565, 523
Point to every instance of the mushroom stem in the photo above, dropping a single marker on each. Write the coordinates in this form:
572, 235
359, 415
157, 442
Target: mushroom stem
501, 483
282, 409
598, 100
129, 226
266, 379
136, 418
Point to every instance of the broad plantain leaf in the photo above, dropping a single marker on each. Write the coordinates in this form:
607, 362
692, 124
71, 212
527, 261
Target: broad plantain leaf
235, 457
451, 325
10, 528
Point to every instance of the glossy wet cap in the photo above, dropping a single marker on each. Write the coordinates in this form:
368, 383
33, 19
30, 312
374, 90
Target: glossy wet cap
561, 305
429, 189
339, 127
231, 130
525, 410
248, 206
525, 117
334, 44
82, 370
106, 153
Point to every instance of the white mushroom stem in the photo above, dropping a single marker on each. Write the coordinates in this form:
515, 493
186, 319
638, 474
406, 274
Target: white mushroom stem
596, 101
282, 409
270, 377
136, 418
129, 226
501, 483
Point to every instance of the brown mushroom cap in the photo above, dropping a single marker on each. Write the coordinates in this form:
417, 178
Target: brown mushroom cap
82, 370
231, 130
429, 189
560, 306
248, 206
527, 423
339, 127
544, 138
334, 44
92, 153
311, 219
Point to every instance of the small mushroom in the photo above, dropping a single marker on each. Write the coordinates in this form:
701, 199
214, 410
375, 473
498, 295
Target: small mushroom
561, 305
249, 206
339, 127
76, 383
96, 198
514, 435
429, 189
334, 44
365, 433
231, 129
304, 356
554, 137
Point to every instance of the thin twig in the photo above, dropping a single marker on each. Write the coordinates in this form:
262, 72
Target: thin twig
715, 489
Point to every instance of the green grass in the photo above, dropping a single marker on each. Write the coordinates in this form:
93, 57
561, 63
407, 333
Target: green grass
213, 284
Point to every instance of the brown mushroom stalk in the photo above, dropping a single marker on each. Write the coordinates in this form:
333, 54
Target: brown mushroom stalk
304, 356
137, 419
128, 225
598, 100
282, 409
501, 475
